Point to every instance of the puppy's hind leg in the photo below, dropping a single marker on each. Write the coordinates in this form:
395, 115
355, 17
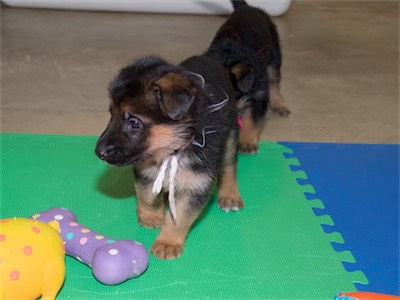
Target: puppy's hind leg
229, 198
249, 133
277, 103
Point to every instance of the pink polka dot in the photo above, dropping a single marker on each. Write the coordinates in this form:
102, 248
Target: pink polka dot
73, 224
35, 229
14, 275
27, 250
2, 237
83, 241
1, 261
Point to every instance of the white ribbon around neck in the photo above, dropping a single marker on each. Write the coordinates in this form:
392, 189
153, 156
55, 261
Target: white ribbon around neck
172, 161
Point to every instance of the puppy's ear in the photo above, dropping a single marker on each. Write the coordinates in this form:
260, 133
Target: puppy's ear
197, 79
176, 92
243, 77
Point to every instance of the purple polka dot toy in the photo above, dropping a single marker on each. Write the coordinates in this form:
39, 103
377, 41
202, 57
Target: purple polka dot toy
112, 261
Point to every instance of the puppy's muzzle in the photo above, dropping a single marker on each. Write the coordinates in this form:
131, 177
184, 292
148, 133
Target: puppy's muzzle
107, 151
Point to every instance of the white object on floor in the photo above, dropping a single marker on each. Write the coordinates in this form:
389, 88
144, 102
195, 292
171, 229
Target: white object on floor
219, 7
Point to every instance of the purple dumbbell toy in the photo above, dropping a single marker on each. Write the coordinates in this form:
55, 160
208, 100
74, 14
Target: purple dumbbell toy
112, 261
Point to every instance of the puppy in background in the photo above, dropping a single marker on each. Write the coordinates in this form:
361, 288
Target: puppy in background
247, 45
177, 125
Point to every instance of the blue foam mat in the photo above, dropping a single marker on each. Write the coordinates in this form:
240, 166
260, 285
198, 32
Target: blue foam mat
359, 186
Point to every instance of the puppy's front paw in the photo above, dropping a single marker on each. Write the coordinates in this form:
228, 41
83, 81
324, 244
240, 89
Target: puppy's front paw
230, 204
248, 148
150, 220
166, 249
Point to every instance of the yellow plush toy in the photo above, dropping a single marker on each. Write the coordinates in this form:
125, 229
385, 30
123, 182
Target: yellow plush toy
32, 259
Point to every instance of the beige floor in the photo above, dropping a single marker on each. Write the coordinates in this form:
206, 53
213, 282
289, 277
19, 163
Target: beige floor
340, 67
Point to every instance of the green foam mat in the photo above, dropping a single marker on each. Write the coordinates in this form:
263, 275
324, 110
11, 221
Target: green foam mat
274, 248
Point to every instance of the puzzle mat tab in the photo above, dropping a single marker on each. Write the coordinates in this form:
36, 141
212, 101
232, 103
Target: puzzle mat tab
275, 248
359, 184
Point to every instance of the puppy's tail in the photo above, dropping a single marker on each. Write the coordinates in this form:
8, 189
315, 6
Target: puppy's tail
238, 3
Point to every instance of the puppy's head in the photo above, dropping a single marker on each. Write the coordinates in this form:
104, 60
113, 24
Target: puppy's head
152, 111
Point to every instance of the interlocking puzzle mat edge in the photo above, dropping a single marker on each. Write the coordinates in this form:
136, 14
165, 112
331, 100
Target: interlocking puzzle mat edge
326, 222
360, 187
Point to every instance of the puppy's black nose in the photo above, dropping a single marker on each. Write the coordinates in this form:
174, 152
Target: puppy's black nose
103, 151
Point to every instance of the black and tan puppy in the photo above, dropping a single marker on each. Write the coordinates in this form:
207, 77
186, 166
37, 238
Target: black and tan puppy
177, 125
247, 45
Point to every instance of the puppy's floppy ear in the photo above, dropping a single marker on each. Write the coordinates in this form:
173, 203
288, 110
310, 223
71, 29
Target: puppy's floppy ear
243, 76
176, 92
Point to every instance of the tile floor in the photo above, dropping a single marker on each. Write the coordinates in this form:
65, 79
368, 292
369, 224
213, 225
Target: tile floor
340, 67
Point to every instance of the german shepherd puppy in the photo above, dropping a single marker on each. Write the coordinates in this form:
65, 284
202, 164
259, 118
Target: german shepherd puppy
177, 126
247, 45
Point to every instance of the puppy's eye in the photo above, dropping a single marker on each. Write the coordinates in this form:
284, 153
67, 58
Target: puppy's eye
134, 122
